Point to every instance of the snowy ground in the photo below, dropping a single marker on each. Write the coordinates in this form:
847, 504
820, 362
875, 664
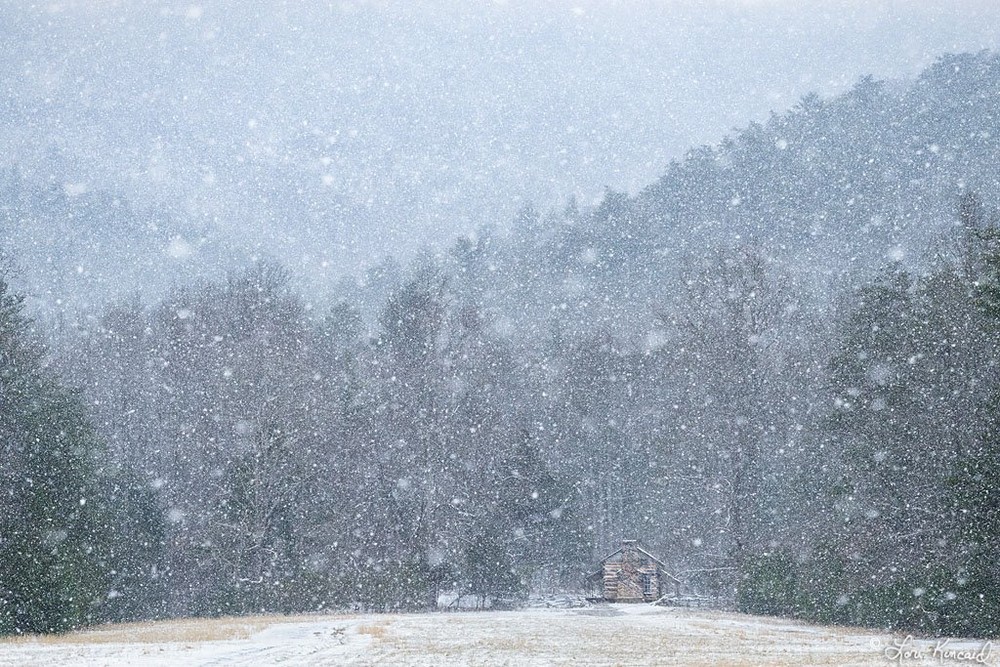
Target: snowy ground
599, 635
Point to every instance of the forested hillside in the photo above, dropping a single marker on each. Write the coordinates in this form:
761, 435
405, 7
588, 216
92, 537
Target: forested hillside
777, 366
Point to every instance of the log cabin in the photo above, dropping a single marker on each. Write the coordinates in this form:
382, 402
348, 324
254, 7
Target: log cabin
632, 574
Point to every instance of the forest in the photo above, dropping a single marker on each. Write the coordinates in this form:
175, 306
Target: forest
777, 366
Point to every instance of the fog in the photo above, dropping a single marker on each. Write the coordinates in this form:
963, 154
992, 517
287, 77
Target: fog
329, 135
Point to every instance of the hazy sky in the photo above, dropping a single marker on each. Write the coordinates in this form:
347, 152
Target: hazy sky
364, 128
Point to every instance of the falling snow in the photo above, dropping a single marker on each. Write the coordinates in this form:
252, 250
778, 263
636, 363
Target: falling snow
388, 307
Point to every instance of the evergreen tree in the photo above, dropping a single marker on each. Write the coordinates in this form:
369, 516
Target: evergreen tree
976, 484
57, 535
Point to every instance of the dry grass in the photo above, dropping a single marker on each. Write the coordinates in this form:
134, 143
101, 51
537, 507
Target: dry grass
627, 640
152, 632
509, 644
375, 630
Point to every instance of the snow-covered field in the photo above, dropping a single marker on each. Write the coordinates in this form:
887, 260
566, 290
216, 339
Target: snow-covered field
598, 635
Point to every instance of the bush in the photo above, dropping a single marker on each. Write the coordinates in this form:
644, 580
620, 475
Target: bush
768, 585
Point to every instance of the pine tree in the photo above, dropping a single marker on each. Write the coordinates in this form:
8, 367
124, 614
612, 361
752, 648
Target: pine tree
976, 483
51, 528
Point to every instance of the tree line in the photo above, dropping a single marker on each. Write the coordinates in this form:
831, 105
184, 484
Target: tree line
788, 392
229, 450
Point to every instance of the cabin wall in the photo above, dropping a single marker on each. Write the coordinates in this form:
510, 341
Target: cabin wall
625, 581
